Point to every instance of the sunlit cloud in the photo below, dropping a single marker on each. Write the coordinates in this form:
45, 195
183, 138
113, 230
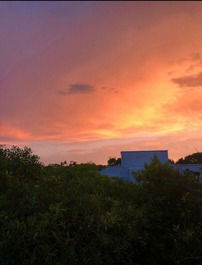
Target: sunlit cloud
84, 80
12, 133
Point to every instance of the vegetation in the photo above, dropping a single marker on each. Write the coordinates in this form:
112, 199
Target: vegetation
195, 158
68, 214
114, 161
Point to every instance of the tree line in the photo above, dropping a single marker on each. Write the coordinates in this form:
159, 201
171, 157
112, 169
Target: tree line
64, 214
195, 158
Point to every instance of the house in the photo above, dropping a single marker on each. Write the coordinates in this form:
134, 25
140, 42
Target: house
135, 160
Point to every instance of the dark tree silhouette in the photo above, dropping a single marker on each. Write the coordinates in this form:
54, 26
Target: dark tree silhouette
195, 158
114, 161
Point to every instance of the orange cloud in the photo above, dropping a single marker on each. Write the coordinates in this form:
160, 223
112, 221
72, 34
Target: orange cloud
110, 67
7, 131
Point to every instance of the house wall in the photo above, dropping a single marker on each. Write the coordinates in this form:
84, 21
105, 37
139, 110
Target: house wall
132, 161
138, 159
196, 168
116, 171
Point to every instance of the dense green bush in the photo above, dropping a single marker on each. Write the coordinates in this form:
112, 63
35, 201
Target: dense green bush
69, 214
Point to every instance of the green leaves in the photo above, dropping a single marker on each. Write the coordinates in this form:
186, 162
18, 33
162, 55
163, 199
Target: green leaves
19, 162
69, 214
195, 158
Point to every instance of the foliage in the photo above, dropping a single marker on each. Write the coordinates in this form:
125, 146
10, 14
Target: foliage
172, 214
19, 162
171, 161
195, 158
114, 161
68, 214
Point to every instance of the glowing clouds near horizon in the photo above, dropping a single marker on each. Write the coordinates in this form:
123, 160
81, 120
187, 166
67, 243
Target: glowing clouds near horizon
85, 80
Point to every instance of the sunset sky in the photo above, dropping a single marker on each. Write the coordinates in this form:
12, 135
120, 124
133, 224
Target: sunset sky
83, 81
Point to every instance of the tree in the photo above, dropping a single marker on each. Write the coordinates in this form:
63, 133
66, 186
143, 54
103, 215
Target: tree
114, 161
170, 215
72, 215
19, 161
171, 161
195, 158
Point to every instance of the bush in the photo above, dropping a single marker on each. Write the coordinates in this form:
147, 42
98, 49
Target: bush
69, 214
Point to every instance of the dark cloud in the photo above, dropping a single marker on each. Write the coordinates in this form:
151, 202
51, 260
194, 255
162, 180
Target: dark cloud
80, 88
77, 88
109, 89
189, 80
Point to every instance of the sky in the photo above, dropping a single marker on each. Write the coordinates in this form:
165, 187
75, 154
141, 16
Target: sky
82, 81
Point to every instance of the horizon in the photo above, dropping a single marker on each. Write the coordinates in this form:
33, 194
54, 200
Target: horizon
80, 81
106, 162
